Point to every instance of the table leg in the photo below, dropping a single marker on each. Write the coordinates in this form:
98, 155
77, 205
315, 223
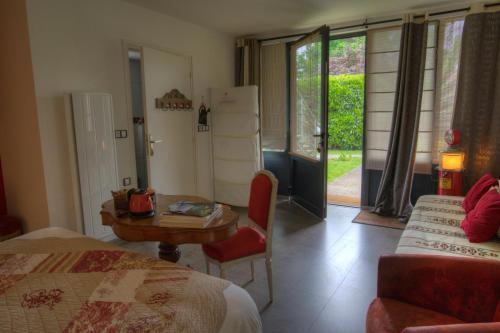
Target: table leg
169, 252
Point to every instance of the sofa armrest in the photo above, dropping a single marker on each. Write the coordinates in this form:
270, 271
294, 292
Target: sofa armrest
465, 288
457, 328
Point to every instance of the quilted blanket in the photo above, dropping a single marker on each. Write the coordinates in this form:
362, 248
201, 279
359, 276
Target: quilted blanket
434, 228
84, 285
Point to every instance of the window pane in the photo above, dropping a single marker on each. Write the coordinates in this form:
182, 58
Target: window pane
306, 98
273, 94
450, 41
382, 64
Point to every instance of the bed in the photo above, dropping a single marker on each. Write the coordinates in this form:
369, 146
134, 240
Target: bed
434, 228
58, 280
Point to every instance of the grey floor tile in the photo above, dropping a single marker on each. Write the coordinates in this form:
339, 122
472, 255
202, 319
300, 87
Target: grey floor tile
324, 272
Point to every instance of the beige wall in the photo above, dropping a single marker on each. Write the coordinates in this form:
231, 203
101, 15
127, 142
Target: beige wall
76, 46
20, 148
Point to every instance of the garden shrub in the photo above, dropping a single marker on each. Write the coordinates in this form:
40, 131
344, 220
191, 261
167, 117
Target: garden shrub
345, 111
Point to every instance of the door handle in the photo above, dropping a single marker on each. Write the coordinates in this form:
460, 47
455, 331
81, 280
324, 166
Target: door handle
151, 145
321, 143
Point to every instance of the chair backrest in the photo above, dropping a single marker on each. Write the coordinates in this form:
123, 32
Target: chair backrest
262, 203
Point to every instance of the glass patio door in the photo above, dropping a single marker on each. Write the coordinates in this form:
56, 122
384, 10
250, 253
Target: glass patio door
308, 104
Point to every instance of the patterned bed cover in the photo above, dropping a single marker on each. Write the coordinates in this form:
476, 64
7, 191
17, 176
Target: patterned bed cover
434, 228
57, 280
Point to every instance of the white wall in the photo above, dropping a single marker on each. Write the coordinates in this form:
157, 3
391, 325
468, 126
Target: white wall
77, 46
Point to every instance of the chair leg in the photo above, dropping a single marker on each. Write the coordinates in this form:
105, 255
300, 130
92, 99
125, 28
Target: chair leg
252, 270
269, 269
222, 272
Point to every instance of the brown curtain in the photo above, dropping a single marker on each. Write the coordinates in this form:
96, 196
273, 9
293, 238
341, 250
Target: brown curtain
477, 110
393, 197
247, 62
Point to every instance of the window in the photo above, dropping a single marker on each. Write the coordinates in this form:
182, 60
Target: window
450, 40
273, 94
305, 97
382, 70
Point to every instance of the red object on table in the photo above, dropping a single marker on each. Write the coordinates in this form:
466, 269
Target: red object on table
431, 294
450, 183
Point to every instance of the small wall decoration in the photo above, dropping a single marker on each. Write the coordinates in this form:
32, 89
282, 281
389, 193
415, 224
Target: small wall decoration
174, 100
203, 118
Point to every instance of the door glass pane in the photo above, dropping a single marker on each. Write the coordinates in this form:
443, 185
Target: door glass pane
306, 97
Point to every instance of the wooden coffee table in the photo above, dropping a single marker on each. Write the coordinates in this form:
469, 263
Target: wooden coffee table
135, 229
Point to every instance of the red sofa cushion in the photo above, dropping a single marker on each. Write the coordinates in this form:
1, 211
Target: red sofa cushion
260, 200
477, 191
390, 316
246, 242
482, 223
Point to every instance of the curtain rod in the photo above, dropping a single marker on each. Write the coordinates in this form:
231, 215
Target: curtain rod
366, 24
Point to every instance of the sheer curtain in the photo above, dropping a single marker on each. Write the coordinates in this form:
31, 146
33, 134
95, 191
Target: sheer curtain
273, 94
382, 68
450, 41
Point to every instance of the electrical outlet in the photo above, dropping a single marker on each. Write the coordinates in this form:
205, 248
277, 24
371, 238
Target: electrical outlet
121, 134
126, 181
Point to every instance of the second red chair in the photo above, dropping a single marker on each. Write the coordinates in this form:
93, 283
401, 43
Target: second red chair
253, 241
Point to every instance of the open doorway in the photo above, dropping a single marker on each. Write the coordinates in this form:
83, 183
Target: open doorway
163, 137
136, 93
346, 90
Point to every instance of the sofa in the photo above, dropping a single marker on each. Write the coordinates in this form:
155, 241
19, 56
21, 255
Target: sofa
432, 293
437, 281
434, 228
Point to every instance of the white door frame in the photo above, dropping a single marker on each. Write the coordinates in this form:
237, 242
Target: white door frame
126, 46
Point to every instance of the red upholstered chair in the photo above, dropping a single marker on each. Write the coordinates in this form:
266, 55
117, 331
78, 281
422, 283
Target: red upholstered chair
431, 294
9, 226
254, 241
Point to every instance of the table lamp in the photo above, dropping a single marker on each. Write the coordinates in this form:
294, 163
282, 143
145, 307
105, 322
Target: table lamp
451, 166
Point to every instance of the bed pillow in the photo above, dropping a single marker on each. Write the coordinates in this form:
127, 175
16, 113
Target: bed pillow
482, 223
477, 191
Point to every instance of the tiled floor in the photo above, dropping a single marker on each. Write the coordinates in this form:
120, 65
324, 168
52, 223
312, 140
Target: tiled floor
324, 272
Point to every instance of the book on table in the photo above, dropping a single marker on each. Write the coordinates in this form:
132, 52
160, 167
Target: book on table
186, 214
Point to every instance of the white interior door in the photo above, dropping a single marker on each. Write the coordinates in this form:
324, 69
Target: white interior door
236, 143
95, 144
172, 168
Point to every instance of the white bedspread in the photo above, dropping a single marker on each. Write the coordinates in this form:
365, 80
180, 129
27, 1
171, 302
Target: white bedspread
434, 228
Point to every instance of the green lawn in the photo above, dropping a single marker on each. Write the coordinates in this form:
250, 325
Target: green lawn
348, 152
340, 166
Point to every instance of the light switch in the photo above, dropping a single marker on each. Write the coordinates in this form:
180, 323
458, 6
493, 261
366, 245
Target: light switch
126, 181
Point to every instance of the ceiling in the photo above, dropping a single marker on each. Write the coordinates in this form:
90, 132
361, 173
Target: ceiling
250, 17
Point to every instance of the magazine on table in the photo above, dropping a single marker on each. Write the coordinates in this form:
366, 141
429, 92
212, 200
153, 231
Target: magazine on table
188, 214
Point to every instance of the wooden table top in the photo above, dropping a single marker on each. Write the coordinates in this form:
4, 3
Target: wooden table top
131, 228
